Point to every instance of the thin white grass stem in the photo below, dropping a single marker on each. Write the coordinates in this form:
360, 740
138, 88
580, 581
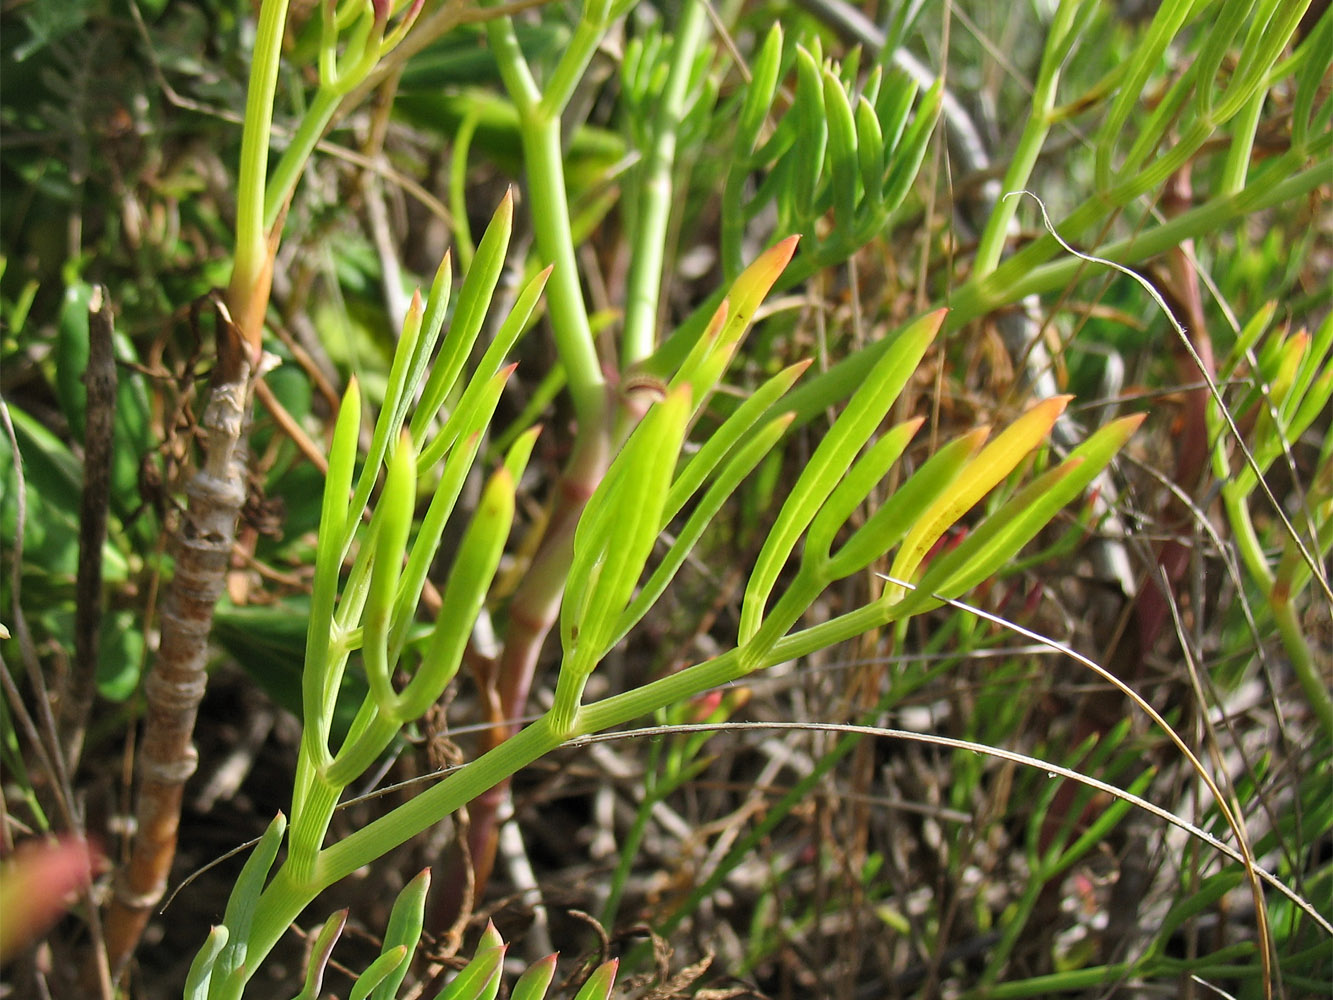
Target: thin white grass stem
1315, 568
998, 752
1247, 855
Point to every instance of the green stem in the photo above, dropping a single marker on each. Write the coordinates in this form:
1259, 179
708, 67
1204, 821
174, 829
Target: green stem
291, 891
294, 158
569, 72
312, 811
1302, 662
643, 286
1242, 145
251, 235
1024, 274
1030, 144
544, 161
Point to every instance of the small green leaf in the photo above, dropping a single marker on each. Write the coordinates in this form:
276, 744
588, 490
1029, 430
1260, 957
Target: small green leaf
515, 324
999, 538
534, 983
390, 964
245, 896
471, 418
812, 134
429, 326
201, 969
721, 442
390, 420
834, 454
330, 550
600, 983
842, 150
320, 953
709, 358
739, 465
474, 300
870, 151
984, 473
886, 527
390, 527
907, 158
72, 352
893, 109
612, 547
480, 980
403, 931
855, 486
764, 70
464, 594
516, 461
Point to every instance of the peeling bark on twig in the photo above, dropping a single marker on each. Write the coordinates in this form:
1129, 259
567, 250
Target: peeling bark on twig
175, 685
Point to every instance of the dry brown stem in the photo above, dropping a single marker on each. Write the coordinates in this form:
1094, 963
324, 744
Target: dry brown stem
175, 684
100, 382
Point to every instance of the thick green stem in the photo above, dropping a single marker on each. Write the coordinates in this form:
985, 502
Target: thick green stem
643, 286
252, 257
290, 892
544, 162
312, 811
1302, 662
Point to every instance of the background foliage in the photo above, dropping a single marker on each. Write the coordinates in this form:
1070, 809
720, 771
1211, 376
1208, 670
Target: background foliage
802, 863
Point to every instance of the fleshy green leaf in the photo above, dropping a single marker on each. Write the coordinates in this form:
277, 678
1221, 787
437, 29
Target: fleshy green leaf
320, 953
984, 473
611, 548
403, 931
711, 355
894, 108
534, 983
470, 577
391, 524
886, 527
480, 980
201, 969
245, 896
906, 160
474, 301
600, 983
764, 70
835, 453
842, 150
392, 963
812, 125
856, 485
999, 538
721, 442
870, 150
740, 464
